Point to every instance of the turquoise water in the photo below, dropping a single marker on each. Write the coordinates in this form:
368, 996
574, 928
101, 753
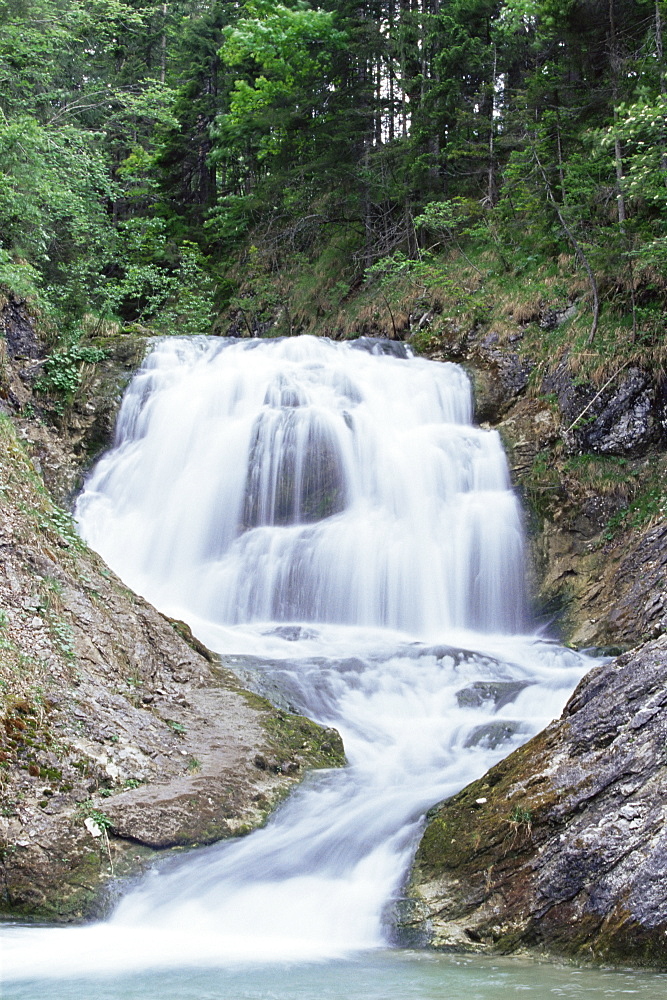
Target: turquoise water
396, 975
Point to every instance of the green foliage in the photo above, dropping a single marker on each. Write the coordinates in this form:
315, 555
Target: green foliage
426, 271
166, 285
103, 821
521, 816
64, 637
147, 280
5, 641
80, 112
62, 523
649, 502
189, 310
144, 149
61, 371
642, 128
289, 50
18, 276
53, 180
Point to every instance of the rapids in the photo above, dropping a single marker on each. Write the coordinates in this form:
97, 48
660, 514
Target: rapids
330, 511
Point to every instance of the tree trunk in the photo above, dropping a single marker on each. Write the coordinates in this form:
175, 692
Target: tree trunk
491, 190
390, 65
660, 55
576, 246
614, 59
618, 153
163, 44
559, 151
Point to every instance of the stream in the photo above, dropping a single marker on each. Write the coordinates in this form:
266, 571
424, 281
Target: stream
329, 512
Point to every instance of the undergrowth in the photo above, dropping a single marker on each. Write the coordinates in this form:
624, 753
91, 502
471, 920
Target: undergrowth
649, 503
539, 305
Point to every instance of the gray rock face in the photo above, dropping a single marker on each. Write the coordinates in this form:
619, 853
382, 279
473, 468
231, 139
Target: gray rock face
381, 345
568, 853
626, 418
551, 318
500, 379
640, 607
62, 444
17, 326
492, 734
499, 692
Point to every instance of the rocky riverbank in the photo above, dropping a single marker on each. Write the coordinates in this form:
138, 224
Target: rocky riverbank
590, 462
122, 736
562, 847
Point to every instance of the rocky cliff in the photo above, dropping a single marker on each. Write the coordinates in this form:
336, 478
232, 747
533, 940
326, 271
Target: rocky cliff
590, 462
561, 848
123, 736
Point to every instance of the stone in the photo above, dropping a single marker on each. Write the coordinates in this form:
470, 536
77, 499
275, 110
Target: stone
17, 324
501, 693
492, 734
568, 855
625, 418
131, 718
499, 378
92, 827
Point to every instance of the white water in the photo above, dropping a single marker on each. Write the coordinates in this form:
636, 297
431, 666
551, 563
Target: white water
335, 513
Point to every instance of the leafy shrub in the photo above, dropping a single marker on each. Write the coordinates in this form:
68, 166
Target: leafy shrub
61, 372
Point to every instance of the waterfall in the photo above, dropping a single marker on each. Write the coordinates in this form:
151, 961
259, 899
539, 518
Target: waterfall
302, 480
331, 510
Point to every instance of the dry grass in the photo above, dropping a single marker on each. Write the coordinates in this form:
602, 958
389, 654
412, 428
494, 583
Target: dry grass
603, 476
96, 326
527, 311
323, 299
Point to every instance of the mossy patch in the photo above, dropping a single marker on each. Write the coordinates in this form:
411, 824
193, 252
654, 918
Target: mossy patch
193, 642
294, 736
290, 738
490, 821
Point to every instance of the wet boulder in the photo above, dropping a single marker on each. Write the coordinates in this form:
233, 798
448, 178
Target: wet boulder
561, 847
500, 693
492, 734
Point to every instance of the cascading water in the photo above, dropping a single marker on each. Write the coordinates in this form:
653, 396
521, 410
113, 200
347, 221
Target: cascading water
331, 510
305, 481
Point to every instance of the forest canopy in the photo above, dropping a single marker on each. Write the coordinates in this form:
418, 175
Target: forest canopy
165, 162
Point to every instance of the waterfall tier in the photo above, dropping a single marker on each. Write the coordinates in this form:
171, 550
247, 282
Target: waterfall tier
302, 480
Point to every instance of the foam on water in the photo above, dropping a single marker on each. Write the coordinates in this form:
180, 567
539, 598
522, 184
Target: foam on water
331, 516
301, 480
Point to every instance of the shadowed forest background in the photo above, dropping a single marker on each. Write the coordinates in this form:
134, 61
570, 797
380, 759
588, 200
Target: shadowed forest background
404, 168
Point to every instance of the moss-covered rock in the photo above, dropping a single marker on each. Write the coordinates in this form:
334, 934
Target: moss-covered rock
561, 847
